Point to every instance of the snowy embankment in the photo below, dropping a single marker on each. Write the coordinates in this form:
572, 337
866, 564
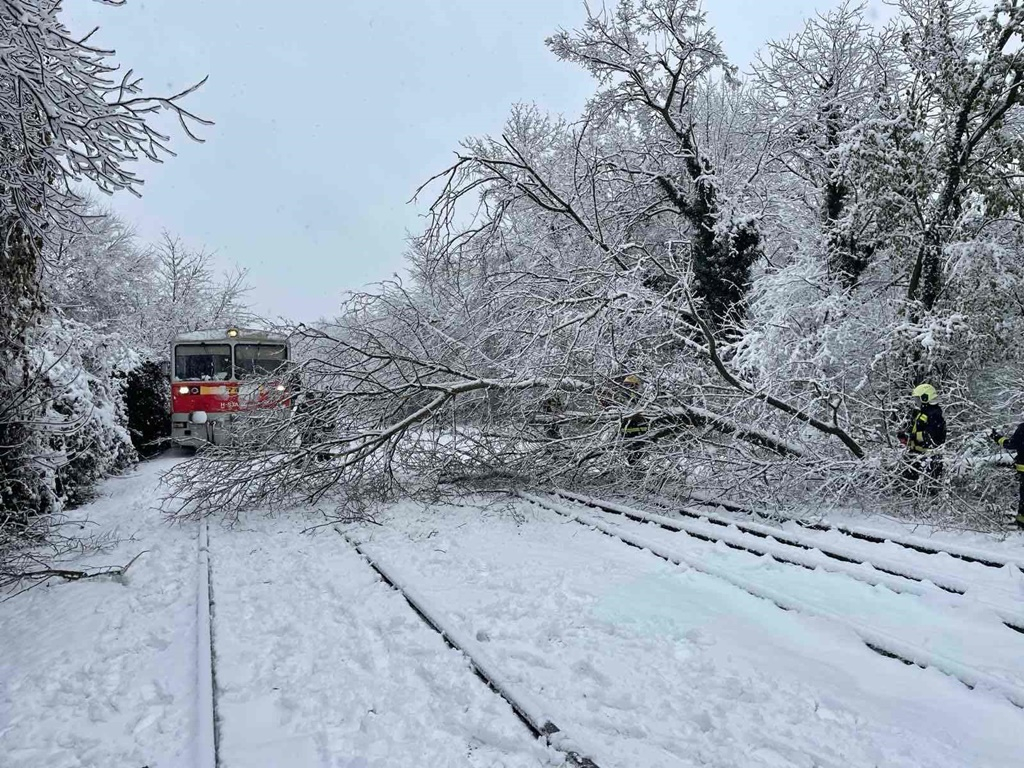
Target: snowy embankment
653, 665
103, 673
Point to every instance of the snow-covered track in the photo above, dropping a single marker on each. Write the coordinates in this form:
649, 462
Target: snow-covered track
916, 543
207, 752
531, 713
793, 551
879, 641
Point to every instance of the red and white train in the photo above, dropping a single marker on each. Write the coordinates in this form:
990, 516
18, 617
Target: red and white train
217, 374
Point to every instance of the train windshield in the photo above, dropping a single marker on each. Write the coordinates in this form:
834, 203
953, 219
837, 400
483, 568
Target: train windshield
202, 362
255, 360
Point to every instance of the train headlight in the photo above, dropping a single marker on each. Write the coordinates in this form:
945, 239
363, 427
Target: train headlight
232, 332
182, 390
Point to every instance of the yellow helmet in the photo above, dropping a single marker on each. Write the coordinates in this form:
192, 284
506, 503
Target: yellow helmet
925, 393
632, 379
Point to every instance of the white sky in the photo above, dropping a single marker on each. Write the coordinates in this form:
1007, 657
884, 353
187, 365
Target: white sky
329, 114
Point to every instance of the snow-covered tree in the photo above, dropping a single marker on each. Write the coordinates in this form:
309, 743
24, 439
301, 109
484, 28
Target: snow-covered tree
69, 115
914, 182
756, 273
818, 94
188, 294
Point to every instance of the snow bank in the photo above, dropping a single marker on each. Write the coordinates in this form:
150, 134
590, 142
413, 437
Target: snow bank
96, 674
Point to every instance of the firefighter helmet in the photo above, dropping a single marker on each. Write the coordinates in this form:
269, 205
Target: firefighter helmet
632, 379
925, 393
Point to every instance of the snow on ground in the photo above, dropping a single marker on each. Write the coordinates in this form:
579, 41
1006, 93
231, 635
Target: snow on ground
1006, 544
1004, 584
954, 630
1001, 587
320, 664
663, 666
101, 674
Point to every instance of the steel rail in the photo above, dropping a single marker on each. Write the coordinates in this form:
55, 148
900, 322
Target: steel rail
880, 642
529, 712
1009, 619
208, 730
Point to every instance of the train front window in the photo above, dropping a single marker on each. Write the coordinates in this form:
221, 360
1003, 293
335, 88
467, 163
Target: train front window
253, 361
202, 362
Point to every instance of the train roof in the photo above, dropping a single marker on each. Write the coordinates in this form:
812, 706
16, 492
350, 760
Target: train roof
221, 334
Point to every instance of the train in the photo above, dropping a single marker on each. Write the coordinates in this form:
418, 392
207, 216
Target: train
216, 375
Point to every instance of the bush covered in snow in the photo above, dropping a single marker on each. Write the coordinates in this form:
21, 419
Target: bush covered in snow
147, 405
82, 407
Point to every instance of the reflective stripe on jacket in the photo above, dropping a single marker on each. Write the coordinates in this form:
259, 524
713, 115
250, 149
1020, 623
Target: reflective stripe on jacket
927, 429
1015, 443
634, 425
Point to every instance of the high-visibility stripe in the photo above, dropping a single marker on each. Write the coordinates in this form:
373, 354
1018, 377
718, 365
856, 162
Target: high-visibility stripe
1002, 441
1020, 467
917, 433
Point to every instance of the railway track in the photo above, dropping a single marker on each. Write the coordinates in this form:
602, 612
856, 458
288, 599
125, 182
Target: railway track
880, 642
810, 555
749, 537
987, 559
208, 732
529, 712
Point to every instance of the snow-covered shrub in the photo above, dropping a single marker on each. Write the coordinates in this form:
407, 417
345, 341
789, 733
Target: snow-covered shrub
83, 415
145, 390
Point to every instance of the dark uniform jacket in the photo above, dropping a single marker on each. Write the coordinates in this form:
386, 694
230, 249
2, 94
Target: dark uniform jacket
1015, 443
927, 428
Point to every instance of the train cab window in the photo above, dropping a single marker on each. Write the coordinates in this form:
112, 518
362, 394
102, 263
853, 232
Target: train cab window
255, 360
202, 362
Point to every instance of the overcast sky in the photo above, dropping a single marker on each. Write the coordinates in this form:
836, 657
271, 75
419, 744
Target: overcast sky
329, 114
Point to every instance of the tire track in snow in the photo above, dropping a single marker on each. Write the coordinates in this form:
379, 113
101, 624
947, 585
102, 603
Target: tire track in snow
529, 712
880, 642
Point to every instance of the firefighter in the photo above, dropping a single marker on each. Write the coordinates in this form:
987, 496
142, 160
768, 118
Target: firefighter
1015, 443
634, 426
550, 407
926, 432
